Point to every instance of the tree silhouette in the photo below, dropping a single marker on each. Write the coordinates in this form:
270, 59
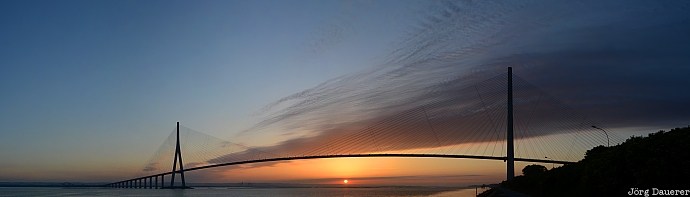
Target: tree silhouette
659, 160
533, 170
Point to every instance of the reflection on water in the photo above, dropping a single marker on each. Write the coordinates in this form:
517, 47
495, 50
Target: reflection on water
461, 192
382, 192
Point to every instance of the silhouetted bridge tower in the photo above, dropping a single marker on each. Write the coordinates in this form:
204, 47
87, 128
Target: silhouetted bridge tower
152, 181
510, 158
158, 180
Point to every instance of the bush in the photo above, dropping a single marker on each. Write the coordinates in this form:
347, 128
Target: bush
533, 170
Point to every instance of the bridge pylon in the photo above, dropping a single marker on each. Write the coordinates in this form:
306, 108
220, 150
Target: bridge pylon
178, 158
510, 156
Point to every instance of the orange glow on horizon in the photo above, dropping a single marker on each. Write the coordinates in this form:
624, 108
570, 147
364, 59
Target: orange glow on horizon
368, 171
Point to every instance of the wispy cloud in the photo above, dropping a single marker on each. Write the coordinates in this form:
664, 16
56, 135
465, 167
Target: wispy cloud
617, 63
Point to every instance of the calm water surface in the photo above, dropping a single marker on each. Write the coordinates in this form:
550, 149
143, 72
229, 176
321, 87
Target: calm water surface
382, 192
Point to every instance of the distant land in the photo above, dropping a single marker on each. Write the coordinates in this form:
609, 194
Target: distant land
656, 163
50, 184
236, 185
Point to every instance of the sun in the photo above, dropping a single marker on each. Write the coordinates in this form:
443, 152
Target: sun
345, 181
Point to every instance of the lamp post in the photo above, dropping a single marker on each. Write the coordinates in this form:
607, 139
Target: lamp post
552, 165
607, 135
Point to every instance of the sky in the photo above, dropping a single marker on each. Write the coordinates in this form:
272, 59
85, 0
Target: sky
91, 89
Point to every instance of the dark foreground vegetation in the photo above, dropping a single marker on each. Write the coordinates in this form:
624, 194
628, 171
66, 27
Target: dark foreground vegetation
660, 160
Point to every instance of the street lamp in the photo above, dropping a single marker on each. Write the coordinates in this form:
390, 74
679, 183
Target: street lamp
607, 135
552, 164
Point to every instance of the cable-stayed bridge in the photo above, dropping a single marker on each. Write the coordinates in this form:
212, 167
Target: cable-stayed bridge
500, 118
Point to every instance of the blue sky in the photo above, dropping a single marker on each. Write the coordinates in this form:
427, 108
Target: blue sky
103, 82
87, 78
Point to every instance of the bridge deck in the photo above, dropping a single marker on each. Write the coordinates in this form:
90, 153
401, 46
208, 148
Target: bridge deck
359, 156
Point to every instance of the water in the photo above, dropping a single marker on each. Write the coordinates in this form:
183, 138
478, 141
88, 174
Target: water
349, 192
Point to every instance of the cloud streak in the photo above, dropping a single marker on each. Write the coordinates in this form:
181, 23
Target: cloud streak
618, 63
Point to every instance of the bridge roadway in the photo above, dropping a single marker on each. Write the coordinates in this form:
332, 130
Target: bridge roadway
356, 156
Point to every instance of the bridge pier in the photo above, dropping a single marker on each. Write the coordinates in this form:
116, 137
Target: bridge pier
151, 182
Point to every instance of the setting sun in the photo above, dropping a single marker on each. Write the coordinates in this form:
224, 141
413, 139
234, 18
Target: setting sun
345, 181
